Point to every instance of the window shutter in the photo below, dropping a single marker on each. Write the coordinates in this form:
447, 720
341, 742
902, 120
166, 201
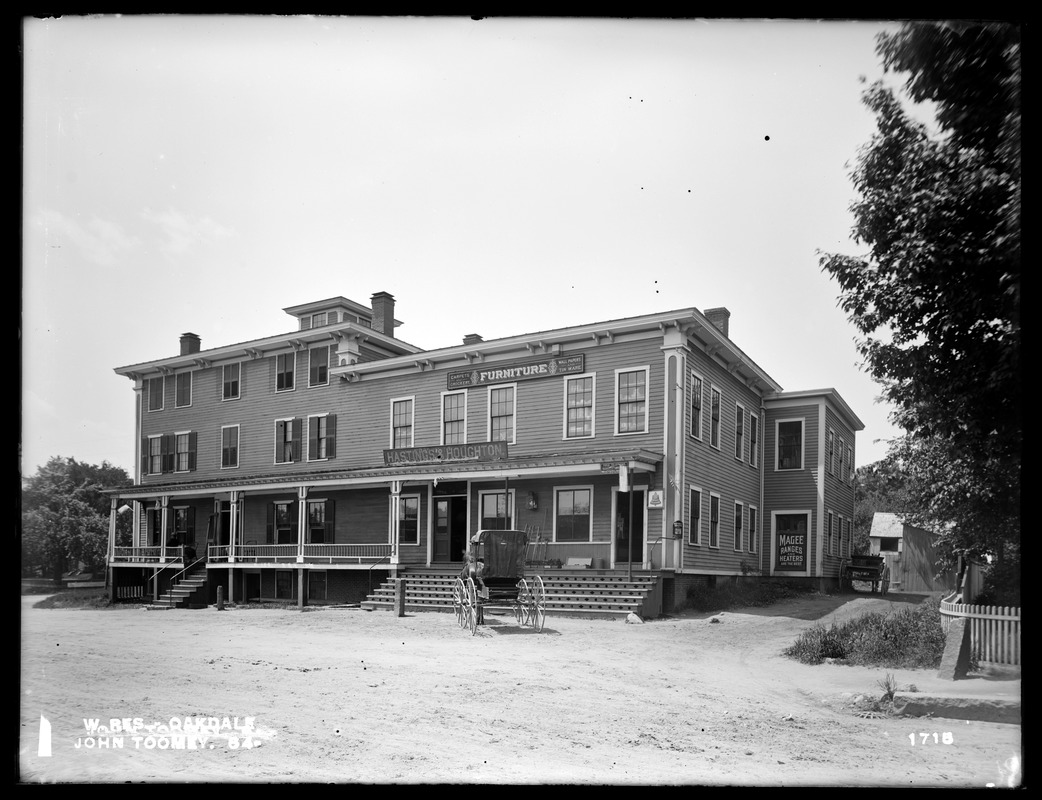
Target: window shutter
313, 437
329, 521
298, 430
190, 533
280, 438
167, 450
193, 442
271, 524
294, 521
331, 436
144, 455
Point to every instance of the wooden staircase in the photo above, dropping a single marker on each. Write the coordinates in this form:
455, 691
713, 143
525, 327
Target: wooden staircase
578, 592
188, 592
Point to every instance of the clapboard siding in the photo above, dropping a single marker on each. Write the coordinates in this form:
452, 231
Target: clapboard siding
716, 469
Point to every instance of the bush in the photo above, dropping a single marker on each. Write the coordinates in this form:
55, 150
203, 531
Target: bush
911, 638
75, 598
1001, 586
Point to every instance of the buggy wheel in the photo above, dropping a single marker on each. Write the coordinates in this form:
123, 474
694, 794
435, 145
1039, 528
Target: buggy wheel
472, 606
458, 602
522, 611
538, 604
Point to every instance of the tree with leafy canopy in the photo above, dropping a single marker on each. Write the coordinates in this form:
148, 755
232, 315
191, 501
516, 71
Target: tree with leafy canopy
937, 297
65, 516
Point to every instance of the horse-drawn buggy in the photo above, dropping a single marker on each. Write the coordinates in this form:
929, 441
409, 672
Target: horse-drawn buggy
494, 577
870, 569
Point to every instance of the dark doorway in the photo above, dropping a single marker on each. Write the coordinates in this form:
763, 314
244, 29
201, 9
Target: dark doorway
622, 526
450, 528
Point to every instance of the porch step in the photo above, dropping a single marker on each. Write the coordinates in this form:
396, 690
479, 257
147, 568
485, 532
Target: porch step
188, 592
577, 593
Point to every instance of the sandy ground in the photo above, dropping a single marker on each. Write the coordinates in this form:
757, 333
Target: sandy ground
344, 695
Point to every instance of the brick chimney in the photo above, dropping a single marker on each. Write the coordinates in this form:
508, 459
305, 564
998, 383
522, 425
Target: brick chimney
719, 317
472, 338
383, 313
189, 343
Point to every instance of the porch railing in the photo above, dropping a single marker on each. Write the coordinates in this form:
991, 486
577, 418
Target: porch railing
147, 555
994, 630
287, 553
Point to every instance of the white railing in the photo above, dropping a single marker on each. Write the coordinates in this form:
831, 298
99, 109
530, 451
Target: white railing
287, 553
333, 553
147, 555
994, 630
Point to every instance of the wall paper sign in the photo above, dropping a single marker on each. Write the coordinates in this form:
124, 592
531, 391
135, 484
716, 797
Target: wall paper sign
481, 451
656, 499
517, 371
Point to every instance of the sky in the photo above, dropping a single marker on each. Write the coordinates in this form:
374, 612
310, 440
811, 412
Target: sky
497, 176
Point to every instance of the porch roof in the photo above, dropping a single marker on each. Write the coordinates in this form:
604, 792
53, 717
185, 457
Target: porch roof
512, 467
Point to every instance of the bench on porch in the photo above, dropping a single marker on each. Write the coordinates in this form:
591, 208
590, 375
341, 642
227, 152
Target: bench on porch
578, 563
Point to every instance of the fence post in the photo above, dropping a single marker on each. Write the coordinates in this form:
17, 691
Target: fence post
399, 596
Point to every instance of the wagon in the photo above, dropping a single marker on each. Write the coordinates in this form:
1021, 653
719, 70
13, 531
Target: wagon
499, 581
871, 569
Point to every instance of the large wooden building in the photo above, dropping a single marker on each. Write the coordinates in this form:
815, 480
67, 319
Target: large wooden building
303, 466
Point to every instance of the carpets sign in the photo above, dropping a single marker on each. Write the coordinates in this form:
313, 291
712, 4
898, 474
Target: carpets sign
543, 368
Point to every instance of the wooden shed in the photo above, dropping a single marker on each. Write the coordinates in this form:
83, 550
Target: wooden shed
911, 554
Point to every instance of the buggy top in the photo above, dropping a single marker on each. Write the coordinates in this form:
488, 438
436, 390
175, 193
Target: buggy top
503, 553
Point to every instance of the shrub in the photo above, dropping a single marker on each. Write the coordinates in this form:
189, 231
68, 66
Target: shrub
911, 638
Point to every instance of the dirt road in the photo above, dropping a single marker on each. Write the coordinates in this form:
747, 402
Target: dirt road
343, 695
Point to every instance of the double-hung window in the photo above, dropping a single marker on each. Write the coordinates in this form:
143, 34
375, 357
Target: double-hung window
454, 418
285, 364
578, 407
572, 519
739, 527
739, 432
696, 406
321, 437
694, 533
501, 414
495, 510
790, 444
183, 393
753, 528
842, 465
850, 464
154, 459
230, 374
754, 440
288, 434
714, 421
401, 422
631, 401
318, 366
409, 519
229, 446
155, 394
714, 520
320, 521
184, 451
829, 541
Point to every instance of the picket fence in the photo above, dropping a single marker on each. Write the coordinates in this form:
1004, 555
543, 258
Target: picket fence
994, 630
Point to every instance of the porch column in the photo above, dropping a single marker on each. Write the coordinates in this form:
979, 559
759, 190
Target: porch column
164, 510
300, 589
233, 527
111, 556
396, 497
302, 520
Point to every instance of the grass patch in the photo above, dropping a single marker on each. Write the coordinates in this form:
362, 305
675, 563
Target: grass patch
742, 594
910, 638
77, 598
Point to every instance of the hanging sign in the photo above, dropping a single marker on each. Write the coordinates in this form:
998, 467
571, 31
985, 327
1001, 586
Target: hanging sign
517, 371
